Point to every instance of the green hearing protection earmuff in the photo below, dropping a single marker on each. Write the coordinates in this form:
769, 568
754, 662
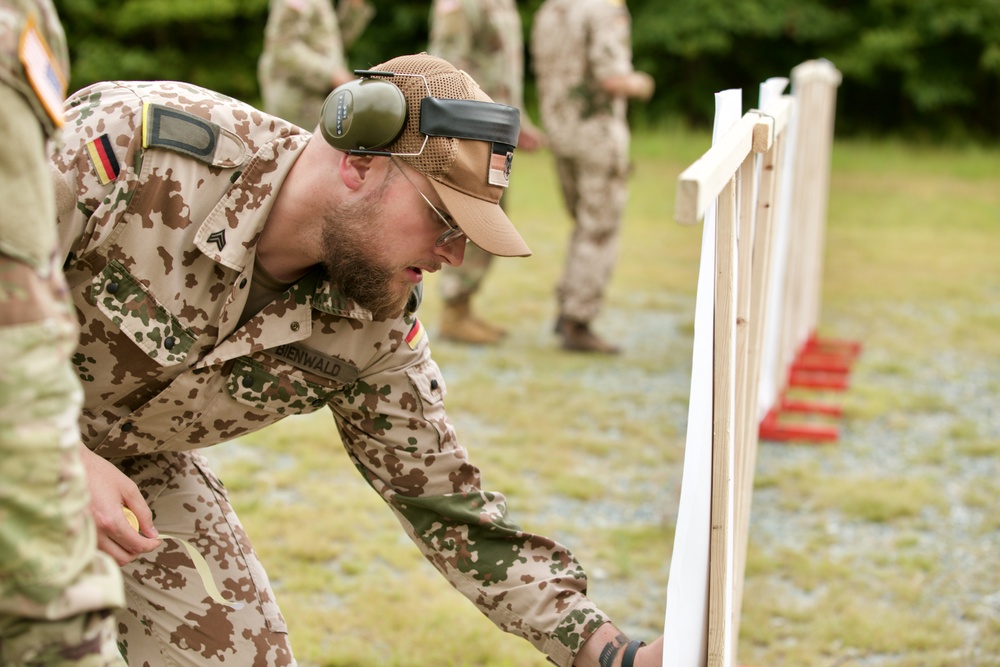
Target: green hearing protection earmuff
364, 115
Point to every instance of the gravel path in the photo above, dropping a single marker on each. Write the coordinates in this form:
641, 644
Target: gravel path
884, 553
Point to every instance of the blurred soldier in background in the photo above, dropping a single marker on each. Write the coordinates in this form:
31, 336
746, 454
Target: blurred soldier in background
57, 591
303, 57
482, 37
582, 56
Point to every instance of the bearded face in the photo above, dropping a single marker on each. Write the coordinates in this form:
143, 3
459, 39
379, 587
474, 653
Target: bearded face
353, 238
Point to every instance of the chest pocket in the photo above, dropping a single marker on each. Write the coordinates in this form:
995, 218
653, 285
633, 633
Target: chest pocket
149, 325
264, 384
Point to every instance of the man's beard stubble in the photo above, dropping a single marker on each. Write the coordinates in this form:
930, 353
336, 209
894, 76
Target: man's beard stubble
350, 234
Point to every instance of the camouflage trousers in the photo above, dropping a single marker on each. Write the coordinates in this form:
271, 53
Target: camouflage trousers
170, 617
459, 283
56, 589
595, 194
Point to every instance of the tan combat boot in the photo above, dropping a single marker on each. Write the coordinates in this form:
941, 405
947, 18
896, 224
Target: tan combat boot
489, 326
458, 324
577, 337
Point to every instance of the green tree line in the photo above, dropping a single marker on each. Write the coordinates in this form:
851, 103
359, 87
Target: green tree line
928, 69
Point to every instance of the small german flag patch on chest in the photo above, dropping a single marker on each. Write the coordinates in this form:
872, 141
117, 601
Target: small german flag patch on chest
105, 162
416, 335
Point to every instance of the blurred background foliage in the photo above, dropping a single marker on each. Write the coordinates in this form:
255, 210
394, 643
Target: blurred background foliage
918, 69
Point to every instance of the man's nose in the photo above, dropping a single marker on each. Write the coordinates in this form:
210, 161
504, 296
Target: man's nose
453, 253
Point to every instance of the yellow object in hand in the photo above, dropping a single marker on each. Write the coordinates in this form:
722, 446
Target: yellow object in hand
199, 562
132, 519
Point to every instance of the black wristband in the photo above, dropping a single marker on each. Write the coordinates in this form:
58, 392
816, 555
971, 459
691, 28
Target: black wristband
630, 651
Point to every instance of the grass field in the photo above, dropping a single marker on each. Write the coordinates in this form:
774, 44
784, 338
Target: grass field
881, 549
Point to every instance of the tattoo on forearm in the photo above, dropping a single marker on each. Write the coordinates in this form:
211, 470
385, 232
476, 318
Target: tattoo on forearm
610, 650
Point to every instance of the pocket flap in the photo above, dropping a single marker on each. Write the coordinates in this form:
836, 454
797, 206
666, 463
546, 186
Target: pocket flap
152, 327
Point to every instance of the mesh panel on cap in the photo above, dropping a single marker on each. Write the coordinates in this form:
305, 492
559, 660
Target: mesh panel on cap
458, 169
444, 81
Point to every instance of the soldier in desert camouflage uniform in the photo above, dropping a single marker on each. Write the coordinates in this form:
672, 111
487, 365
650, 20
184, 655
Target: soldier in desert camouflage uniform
585, 78
57, 591
303, 57
230, 269
482, 37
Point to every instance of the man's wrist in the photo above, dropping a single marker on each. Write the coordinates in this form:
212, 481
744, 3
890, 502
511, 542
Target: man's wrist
628, 657
611, 650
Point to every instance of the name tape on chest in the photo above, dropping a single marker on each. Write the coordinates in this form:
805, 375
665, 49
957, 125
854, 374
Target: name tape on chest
316, 362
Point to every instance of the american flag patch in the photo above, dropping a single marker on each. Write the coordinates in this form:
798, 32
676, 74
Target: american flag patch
44, 74
416, 335
500, 161
105, 162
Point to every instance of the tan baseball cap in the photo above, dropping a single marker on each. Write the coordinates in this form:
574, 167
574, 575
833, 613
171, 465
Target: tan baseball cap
469, 175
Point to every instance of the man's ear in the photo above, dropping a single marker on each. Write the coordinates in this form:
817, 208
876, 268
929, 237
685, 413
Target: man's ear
355, 169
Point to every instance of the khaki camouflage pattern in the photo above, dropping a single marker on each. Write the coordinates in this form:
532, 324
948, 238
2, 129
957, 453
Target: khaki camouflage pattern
304, 42
57, 590
159, 264
189, 501
595, 196
353, 16
595, 43
589, 135
482, 37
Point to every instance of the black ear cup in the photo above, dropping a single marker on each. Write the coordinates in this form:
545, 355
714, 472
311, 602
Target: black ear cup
364, 114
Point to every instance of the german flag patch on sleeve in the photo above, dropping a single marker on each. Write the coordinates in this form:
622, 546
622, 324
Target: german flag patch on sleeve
105, 162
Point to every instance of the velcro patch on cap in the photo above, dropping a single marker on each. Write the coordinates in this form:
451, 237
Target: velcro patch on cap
501, 159
105, 163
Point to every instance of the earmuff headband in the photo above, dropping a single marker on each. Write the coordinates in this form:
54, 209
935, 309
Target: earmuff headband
439, 117
469, 119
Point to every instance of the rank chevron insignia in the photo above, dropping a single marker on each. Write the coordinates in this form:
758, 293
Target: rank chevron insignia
218, 238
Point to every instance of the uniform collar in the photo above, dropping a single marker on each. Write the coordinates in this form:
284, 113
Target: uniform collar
231, 230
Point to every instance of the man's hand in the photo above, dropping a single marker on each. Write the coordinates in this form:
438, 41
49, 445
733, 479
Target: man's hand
110, 490
634, 85
340, 77
531, 138
606, 647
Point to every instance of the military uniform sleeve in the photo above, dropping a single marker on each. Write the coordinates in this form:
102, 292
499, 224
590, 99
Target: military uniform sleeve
353, 17
51, 574
394, 426
453, 25
309, 48
609, 49
95, 165
46, 25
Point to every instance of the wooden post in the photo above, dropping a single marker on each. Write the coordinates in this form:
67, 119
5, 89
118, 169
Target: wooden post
725, 175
